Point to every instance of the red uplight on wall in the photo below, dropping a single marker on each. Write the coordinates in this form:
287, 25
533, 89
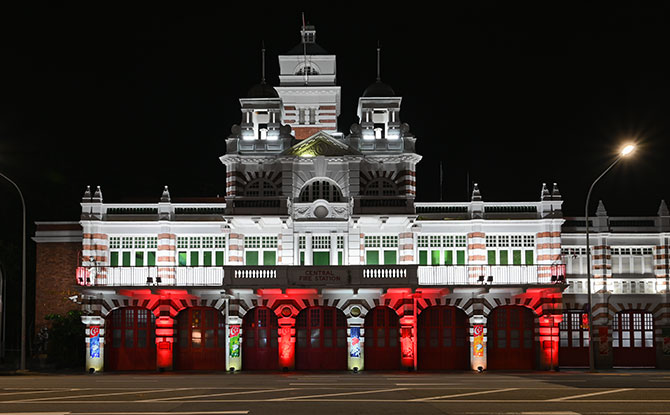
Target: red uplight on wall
286, 348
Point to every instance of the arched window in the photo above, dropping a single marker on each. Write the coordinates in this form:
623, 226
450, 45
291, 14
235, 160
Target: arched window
381, 187
260, 188
307, 70
320, 189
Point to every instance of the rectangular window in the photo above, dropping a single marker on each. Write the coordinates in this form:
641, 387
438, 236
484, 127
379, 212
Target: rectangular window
182, 258
460, 257
422, 241
114, 259
219, 258
390, 258
516, 255
372, 241
321, 258
372, 258
529, 257
491, 257
269, 258
448, 257
503, 257
151, 258
207, 258
302, 258
195, 256
423, 257
435, 257
251, 257
114, 242
339, 258
139, 259
126, 259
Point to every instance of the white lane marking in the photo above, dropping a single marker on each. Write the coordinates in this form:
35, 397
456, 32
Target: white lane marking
163, 413
44, 391
135, 392
291, 398
175, 398
565, 398
424, 384
458, 395
333, 384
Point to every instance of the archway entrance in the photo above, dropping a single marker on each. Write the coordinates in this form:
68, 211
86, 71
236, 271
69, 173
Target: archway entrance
201, 340
633, 339
443, 339
573, 348
511, 334
130, 339
321, 339
260, 349
382, 348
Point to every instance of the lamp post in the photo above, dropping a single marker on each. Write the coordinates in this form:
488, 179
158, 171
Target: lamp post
22, 364
623, 153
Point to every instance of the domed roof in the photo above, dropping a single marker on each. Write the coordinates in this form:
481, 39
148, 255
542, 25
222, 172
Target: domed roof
262, 90
379, 89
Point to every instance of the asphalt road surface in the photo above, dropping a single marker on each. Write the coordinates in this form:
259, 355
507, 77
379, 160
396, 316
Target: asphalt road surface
537, 393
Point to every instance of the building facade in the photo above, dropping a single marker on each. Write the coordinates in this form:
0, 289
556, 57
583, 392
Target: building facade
319, 258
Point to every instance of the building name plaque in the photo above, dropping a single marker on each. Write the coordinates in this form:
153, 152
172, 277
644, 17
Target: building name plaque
319, 276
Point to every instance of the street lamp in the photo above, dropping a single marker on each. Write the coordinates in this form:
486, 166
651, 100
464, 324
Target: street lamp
627, 150
22, 364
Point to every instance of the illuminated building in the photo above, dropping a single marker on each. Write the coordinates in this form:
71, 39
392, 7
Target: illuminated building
319, 257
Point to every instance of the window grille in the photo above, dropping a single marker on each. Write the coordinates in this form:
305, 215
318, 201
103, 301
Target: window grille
321, 242
372, 241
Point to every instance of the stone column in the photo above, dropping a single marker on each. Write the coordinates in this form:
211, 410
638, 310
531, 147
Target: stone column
478, 346
308, 248
333, 248
355, 343
287, 341
164, 337
95, 343
234, 343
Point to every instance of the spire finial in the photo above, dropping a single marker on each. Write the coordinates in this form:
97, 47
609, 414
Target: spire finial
600, 210
165, 197
379, 51
262, 61
544, 194
476, 195
663, 209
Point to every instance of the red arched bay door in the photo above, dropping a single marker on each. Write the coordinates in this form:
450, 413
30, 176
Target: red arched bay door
382, 348
633, 339
259, 345
573, 347
130, 339
510, 343
443, 339
321, 339
201, 340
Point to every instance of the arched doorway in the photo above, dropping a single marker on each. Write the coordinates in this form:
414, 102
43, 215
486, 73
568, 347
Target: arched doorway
130, 339
321, 339
633, 339
259, 344
511, 338
201, 339
573, 347
443, 339
382, 348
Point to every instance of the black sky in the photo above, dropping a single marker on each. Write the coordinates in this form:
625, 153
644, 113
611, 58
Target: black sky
136, 98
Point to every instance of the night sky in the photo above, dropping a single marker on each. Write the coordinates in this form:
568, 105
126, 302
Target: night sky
134, 99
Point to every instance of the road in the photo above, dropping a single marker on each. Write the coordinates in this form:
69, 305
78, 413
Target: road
536, 393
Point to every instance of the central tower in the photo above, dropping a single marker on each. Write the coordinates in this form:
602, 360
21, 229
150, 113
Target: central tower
307, 77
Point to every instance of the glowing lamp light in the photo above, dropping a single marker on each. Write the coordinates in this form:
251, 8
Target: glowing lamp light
627, 150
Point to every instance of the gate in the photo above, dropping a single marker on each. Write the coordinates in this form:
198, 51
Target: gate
321, 339
201, 341
511, 332
443, 339
382, 348
130, 339
633, 339
573, 348
260, 349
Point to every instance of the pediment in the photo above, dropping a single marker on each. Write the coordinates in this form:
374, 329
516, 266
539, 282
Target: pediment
320, 144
